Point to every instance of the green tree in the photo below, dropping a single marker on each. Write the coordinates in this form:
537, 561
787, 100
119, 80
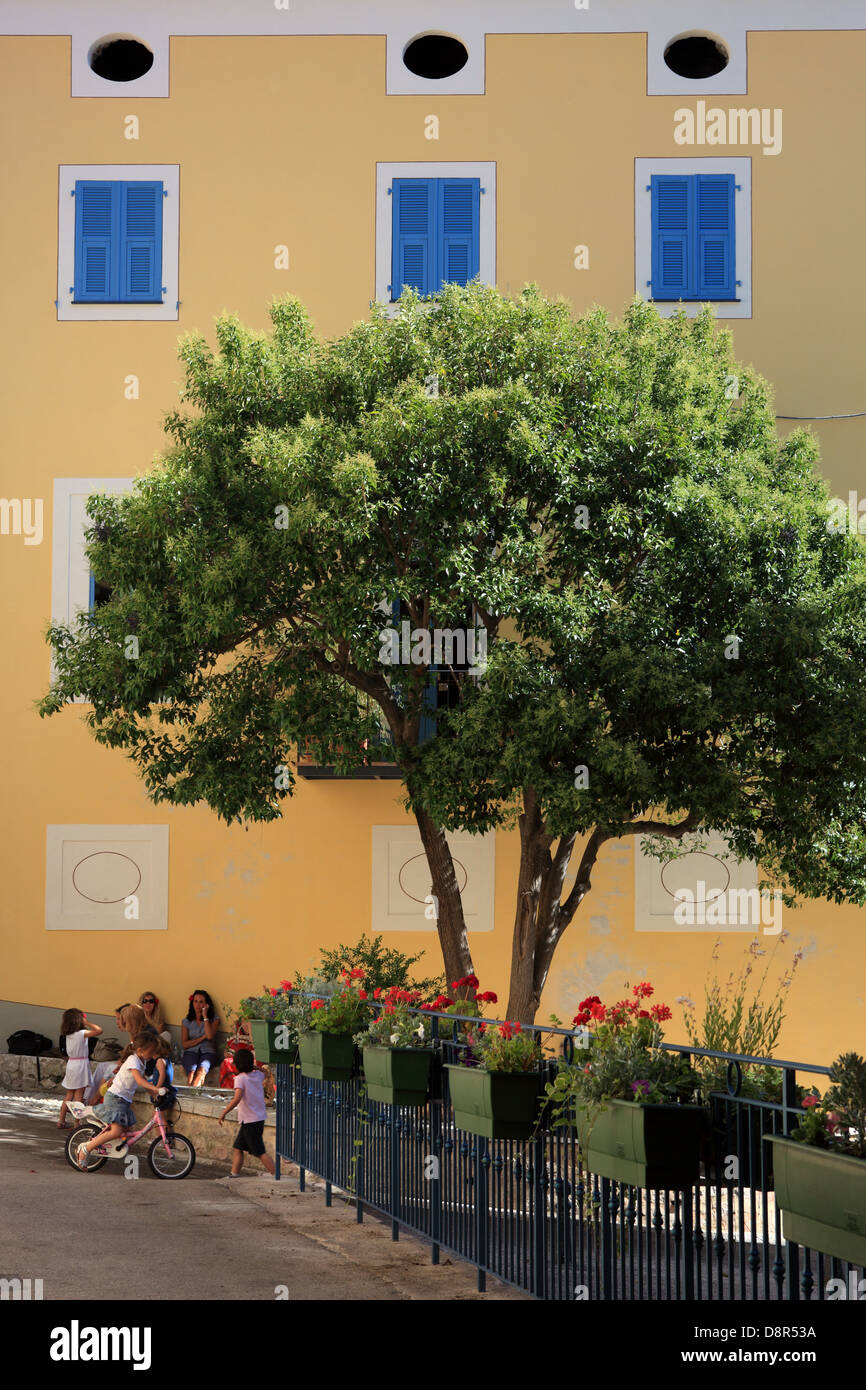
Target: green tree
675, 634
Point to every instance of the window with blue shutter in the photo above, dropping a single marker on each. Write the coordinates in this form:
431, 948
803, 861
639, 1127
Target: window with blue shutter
99, 594
118, 242
435, 239
693, 224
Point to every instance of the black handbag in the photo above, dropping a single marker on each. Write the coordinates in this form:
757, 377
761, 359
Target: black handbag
26, 1043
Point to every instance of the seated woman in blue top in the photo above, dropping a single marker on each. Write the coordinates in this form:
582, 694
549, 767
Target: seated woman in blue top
198, 1037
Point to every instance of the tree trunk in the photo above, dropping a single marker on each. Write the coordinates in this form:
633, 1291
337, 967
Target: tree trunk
450, 921
524, 996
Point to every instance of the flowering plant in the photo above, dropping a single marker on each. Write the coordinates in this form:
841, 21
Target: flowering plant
742, 1015
344, 1010
394, 1025
272, 1004
619, 1057
285, 1003
467, 1001
839, 1120
502, 1047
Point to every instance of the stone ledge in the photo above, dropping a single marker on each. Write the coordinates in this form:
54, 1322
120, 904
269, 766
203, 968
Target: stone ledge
20, 1073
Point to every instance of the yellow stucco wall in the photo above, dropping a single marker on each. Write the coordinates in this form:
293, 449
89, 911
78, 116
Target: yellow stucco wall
277, 141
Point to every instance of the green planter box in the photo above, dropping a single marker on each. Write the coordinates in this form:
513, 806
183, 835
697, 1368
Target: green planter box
823, 1198
397, 1075
264, 1041
327, 1056
649, 1146
496, 1104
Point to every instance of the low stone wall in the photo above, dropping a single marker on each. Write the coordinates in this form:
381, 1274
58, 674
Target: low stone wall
199, 1121
20, 1073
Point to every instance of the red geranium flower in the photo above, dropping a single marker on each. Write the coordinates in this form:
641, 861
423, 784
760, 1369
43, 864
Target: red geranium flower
660, 1012
286, 984
317, 1004
362, 994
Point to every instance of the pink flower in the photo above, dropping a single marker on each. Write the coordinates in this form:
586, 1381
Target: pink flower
810, 1101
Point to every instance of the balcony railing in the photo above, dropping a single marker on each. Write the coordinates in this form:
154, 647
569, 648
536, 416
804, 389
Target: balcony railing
529, 1213
372, 762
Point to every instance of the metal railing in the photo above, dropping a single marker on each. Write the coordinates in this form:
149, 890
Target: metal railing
527, 1211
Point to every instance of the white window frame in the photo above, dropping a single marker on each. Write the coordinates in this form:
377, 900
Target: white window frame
741, 167
484, 170
70, 571
67, 311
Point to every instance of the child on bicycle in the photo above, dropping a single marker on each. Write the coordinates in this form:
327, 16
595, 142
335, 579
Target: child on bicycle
249, 1097
116, 1111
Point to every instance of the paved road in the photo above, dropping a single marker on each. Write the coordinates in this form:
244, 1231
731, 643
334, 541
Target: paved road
95, 1235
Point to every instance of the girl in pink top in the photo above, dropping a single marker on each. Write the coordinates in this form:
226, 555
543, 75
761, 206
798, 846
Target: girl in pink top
249, 1097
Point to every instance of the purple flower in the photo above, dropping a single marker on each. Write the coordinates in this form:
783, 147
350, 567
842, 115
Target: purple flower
642, 1086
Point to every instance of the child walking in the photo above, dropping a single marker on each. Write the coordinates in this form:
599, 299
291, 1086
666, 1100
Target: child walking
249, 1097
116, 1111
77, 1077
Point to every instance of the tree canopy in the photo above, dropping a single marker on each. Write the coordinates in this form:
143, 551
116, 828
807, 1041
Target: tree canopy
675, 637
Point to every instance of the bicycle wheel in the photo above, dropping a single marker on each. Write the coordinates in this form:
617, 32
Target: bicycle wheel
175, 1164
80, 1135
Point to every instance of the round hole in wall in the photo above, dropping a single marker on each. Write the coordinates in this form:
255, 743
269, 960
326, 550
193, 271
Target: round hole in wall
120, 58
697, 55
435, 56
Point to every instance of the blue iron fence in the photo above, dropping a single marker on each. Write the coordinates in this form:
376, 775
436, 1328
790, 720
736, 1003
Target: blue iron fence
528, 1212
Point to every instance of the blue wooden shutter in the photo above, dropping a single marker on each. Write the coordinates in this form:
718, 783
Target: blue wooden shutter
412, 240
714, 258
96, 240
141, 242
671, 236
457, 240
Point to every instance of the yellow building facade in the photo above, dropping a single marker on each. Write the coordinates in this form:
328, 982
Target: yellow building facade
274, 134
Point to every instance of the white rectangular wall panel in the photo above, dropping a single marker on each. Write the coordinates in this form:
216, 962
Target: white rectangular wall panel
106, 878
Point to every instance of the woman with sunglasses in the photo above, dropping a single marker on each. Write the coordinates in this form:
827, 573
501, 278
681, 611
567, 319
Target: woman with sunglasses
154, 1015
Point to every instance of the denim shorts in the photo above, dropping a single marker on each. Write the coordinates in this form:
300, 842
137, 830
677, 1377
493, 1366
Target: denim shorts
192, 1060
115, 1111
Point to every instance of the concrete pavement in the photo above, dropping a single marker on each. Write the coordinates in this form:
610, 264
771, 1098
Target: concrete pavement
101, 1235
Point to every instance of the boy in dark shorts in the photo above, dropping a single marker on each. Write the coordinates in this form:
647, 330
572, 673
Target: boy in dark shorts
249, 1097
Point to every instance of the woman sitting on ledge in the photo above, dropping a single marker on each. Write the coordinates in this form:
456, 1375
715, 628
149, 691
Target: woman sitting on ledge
198, 1037
154, 1015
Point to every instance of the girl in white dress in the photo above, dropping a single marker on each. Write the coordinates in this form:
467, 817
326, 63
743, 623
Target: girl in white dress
77, 1077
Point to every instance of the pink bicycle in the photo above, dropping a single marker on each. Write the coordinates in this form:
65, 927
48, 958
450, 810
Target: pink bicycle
171, 1155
